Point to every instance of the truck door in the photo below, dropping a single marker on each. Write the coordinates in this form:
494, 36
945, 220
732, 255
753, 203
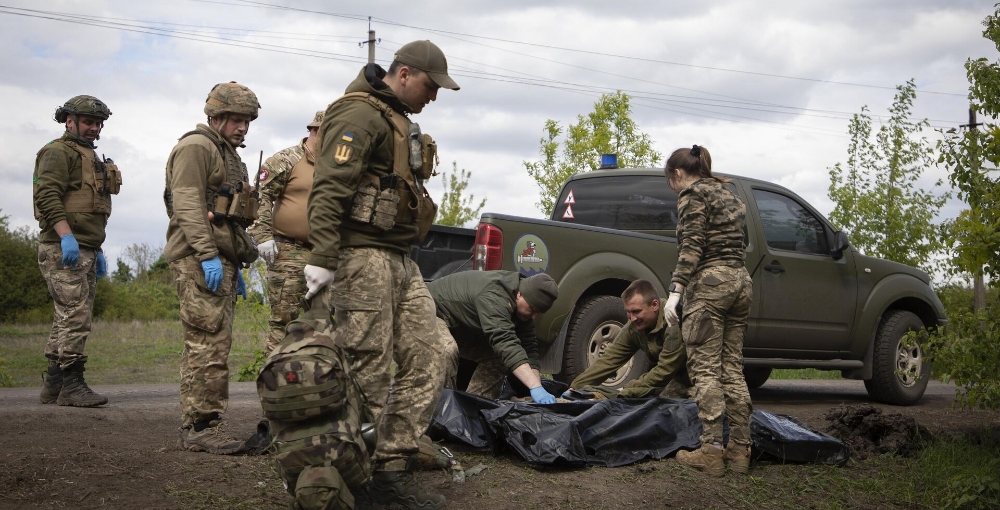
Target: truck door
807, 298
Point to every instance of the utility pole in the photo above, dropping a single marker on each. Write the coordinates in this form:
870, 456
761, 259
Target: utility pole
978, 285
370, 42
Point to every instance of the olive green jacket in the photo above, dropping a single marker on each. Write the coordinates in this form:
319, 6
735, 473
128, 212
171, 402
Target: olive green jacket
195, 165
630, 340
357, 129
58, 169
481, 311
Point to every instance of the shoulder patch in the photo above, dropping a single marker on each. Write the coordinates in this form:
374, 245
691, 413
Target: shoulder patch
343, 153
263, 174
347, 137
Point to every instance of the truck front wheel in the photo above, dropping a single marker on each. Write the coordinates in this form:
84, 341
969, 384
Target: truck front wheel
899, 370
591, 330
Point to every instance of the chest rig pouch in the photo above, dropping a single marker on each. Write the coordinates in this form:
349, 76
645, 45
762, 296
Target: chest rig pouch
100, 178
399, 197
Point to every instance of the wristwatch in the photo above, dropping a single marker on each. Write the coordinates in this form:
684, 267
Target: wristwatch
673, 289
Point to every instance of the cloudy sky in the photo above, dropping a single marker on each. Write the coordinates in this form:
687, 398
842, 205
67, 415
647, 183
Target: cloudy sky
769, 86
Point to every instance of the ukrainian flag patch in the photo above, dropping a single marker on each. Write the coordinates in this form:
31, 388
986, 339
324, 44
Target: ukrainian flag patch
347, 137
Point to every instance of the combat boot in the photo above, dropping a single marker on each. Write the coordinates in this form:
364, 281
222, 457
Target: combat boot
400, 488
52, 383
203, 437
707, 459
737, 458
75, 391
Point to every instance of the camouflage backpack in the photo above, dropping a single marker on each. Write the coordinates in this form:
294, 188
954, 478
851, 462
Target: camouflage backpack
315, 410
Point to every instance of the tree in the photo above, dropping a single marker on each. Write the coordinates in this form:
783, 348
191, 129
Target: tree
877, 198
456, 210
142, 256
123, 274
609, 129
22, 287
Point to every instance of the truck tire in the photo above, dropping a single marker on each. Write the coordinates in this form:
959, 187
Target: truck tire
593, 327
899, 372
756, 376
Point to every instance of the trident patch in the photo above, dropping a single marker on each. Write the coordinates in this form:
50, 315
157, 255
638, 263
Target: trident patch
342, 154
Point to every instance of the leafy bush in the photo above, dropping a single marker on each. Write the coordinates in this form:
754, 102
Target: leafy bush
22, 288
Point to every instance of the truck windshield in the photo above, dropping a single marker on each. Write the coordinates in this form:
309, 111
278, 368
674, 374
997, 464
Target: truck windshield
628, 202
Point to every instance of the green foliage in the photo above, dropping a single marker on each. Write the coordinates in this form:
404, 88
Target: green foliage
22, 287
123, 274
455, 209
252, 316
877, 198
135, 300
249, 371
609, 129
6, 381
966, 353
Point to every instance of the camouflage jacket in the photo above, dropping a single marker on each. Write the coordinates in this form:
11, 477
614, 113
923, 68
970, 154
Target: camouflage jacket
480, 307
709, 229
274, 175
631, 340
58, 169
363, 138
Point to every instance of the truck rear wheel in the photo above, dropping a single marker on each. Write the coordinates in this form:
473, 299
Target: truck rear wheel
591, 330
899, 370
756, 376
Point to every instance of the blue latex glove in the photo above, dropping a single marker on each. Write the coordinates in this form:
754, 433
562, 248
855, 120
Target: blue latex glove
213, 272
241, 285
70, 250
541, 396
102, 265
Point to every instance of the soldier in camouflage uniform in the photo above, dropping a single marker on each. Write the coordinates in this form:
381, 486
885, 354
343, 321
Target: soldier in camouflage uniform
367, 208
647, 331
717, 291
208, 201
490, 315
282, 228
72, 191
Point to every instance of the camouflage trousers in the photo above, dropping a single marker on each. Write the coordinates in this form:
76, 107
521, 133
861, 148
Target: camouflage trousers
73, 290
488, 377
383, 312
716, 307
286, 285
207, 318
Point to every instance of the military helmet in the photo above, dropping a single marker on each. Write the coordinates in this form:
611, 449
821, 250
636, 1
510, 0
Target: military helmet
82, 105
231, 98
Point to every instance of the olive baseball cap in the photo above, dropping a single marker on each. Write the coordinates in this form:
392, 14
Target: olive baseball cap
427, 57
317, 120
540, 291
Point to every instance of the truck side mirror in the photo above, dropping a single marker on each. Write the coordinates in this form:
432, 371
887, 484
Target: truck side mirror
840, 243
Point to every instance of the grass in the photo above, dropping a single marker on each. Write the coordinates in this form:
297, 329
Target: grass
127, 352
804, 373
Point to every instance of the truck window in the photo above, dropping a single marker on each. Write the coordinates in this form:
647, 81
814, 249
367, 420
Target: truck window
624, 203
788, 225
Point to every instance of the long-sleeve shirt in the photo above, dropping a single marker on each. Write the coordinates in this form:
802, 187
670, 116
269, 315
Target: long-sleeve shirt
709, 229
59, 169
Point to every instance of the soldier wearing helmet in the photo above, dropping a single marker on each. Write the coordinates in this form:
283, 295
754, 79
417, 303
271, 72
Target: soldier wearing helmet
210, 203
72, 190
282, 228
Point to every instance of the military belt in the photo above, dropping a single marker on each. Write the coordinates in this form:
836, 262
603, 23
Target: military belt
288, 240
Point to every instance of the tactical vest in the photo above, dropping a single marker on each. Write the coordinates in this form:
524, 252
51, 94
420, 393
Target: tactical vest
234, 200
99, 180
314, 406
414, 160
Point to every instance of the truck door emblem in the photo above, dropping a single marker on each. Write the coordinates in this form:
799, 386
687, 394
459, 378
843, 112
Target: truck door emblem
531, 256
568, 214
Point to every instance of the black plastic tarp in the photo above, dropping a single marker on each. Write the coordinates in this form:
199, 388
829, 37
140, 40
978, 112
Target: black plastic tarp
613, 432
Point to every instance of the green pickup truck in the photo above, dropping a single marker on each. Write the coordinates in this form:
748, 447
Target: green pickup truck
817, 302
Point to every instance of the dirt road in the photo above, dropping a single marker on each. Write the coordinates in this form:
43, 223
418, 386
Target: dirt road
124, 456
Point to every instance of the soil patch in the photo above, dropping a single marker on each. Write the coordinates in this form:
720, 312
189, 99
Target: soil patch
867, 431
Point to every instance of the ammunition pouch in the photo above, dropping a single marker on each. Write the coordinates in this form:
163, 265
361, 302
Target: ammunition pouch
243, 245
377, 206
99, 179
234, 202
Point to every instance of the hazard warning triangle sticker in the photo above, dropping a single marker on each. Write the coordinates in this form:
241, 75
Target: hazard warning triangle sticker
569, 198
568, 214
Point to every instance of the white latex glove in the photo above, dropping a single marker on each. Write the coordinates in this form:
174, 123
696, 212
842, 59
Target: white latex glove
670, 310
268, 251
316, 278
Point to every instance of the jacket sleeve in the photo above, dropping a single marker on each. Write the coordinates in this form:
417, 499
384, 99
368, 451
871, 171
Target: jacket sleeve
336, 177
692, 223
617, 354
190, 164
52, 173
669, 364
496, 311
525, 331
270, 190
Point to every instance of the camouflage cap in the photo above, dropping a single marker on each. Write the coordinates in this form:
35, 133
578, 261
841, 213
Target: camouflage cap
427, 57
540, 291
82, 105
317, 119
231, 98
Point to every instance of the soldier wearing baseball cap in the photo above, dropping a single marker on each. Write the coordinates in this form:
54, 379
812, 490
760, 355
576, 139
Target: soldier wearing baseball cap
427, 57
282, 227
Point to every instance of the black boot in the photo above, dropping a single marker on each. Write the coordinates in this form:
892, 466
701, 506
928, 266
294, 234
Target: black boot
75, 391
400, 488
52, 383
